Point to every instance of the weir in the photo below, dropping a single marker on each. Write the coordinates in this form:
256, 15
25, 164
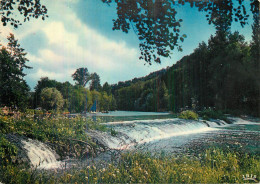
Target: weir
127, 134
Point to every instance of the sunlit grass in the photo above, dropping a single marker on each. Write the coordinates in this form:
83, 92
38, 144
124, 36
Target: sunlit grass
65, 135
212, 166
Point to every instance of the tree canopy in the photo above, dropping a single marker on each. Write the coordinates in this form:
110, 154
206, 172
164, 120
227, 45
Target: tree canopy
51, 99
9, 9
158, 29
154, 21
95, 82
81, 76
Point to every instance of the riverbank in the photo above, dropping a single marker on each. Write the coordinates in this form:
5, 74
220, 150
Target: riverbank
212, 166
71, 138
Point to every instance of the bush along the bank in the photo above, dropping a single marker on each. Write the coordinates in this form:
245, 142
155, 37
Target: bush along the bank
67, 136
208, 114
188, 115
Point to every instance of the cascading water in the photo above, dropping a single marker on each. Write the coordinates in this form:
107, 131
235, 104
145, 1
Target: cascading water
40, 155
131, 133
155, 135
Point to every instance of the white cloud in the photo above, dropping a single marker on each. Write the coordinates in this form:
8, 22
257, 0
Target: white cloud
72, 44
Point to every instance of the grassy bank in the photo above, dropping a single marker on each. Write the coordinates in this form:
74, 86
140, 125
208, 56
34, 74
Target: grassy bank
212, 166
66, 135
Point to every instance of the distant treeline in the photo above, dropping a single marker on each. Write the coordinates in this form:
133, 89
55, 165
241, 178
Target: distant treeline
222, 74
76, 98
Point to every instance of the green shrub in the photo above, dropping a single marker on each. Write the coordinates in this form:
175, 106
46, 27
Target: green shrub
113, 132
8, 151
212, 114
188, 115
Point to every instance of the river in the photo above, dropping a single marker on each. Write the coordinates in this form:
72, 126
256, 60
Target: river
157, 133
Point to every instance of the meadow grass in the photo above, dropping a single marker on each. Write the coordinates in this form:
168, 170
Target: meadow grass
212, 166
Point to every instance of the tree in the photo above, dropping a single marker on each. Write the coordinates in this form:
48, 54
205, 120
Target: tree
163, 97
28, 8
255, 44
155, 23
77, 99
106, 100
14, 89
107, 88
95, 82
96, 96
44, 82
81, 76
51, 99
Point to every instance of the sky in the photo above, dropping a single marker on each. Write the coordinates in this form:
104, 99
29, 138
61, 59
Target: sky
78, 33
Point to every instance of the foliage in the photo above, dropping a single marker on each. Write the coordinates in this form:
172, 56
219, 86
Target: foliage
107, 88
28, 9
81, 76
188, 115
66, 135
158, 29
95, 82
51, 99
13, 87
212, 166
220, 74
149, 95
65, 88
106, 102
77, 99
8, 151
113, 132
214, 114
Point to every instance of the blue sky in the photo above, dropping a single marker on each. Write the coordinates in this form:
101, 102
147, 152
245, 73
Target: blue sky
78, 33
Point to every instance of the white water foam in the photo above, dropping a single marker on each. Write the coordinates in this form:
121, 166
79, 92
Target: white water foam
145, 131
243, 121
40, 155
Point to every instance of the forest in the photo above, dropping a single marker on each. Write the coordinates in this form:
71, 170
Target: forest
220, 74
